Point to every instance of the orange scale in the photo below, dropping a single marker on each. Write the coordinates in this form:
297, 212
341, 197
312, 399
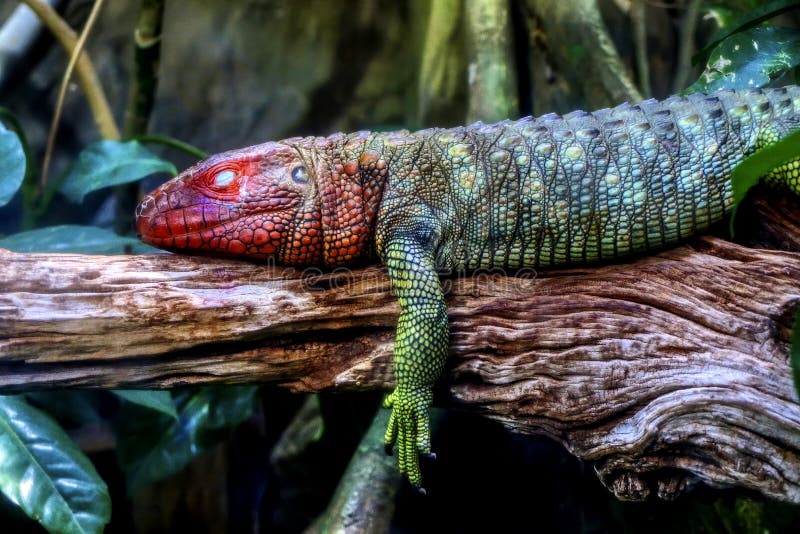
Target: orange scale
236, 246
195, 241
176, 222
260, 236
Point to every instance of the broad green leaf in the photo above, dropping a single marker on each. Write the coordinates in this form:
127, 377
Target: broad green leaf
153, 447
174, 143
750, 59
108, 163
45, 474
795, 355
12, 164
161, 401
752, 17
75, 239
750, 170
70, 407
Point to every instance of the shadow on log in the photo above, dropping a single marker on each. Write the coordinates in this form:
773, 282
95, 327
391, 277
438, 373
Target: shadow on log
663, 372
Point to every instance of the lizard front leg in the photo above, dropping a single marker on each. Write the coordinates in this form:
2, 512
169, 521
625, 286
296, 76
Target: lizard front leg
420, 349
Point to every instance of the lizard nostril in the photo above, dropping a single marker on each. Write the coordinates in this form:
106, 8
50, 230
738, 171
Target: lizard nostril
146, 211
145, 206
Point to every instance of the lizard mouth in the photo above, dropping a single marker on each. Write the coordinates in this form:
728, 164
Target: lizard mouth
175, 217
178, 219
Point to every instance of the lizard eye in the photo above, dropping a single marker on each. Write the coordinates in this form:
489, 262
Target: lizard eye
300, 175
224, 178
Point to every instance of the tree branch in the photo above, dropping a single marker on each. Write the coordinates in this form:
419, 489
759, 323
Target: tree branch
662, 372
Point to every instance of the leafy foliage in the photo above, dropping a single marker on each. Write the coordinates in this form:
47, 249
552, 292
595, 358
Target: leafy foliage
749, 19
75, 239
151, 448
69, 406
750, 59
12, 164
108, 163
46, 475
749, 171
160, 401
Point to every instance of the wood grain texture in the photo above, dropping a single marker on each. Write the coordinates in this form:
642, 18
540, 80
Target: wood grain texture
662, 372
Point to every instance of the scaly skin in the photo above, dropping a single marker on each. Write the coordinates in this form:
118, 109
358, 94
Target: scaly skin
536, 193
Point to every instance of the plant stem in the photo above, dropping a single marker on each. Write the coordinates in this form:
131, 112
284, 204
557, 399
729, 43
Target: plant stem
686, 49
638, 21
87, 77
62, 93
492, 73
147, 55
142, 95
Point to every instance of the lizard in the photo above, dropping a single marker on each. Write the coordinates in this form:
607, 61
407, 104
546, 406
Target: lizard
536, 192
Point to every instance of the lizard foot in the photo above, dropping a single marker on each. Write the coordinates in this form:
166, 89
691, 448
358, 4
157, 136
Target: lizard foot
410, 428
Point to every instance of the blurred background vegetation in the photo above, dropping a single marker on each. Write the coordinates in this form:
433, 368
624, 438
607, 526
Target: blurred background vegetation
231, 74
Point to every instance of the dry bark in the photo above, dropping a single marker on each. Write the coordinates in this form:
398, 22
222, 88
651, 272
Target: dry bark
662, 372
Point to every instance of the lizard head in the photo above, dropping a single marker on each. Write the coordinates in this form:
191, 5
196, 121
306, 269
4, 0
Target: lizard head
302, 201
258, 202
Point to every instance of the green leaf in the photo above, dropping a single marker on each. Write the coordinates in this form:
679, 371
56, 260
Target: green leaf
70, 407
750, 170
173, 143
75, 239
161, 401
151, 447
750, 59
752, 17
108, 163
795, 354
12, 164
45, 474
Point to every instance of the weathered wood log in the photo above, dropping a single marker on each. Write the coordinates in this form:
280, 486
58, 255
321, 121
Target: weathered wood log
662, 372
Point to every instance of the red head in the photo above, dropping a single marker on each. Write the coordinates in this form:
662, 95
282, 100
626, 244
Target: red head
274, 200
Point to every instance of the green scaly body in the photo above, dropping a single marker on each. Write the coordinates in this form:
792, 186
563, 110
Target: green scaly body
539, 193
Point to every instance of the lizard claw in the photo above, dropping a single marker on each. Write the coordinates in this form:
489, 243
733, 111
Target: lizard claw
409, 427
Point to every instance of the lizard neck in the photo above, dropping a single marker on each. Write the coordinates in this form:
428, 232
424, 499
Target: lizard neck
350, 174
